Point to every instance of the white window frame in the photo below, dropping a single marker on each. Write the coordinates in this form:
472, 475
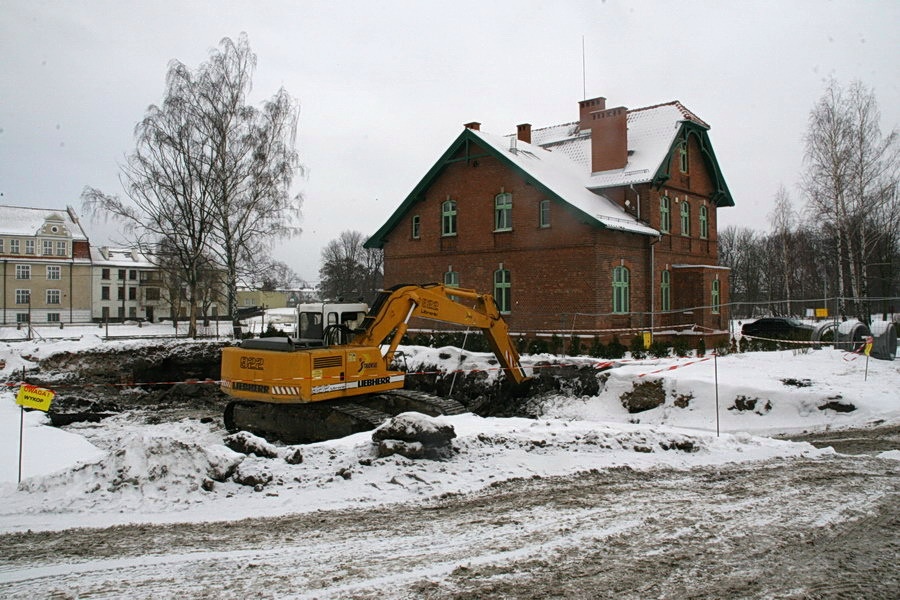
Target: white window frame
54, 273
23, 296
54, 297
544, 214
23, 272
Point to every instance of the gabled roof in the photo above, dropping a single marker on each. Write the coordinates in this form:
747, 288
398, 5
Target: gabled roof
558, 161
553, 173
654, 133
27, 221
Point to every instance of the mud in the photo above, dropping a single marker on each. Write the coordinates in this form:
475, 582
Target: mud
799, 528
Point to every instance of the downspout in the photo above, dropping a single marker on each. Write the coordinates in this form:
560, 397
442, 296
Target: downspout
71, 290
653, 282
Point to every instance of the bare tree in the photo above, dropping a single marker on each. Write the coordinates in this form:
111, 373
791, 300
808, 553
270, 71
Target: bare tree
783, 221
349, 270
169, 201
253, 160
211, 175
851, 168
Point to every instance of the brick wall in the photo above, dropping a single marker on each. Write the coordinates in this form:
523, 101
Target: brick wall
565, 269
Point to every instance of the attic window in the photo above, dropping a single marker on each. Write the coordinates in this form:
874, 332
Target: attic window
683, 156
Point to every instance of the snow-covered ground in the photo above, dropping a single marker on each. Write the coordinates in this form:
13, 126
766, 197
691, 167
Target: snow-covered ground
123, 471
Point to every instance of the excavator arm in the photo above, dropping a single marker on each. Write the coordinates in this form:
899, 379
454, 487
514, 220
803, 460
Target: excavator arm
389, 317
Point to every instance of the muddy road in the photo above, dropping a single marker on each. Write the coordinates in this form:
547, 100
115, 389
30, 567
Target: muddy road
797, 528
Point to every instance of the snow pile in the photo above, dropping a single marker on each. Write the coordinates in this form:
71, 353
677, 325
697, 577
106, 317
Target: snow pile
120, 471
157, 467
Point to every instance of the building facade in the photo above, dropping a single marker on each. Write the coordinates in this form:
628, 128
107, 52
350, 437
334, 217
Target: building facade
46, 266
126, 286
603, 225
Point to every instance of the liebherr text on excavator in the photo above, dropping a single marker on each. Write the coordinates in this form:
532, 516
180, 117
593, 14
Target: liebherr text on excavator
302, 391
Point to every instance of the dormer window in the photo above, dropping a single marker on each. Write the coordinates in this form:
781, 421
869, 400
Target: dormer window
683, 156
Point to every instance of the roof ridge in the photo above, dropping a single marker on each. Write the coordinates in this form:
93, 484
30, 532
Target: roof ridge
685, 111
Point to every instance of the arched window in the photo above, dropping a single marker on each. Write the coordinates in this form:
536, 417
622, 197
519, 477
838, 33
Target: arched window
685, 218
716, 301
665, 214
448, 217
502, 287
704, 222
665, 291
621, 290
503, 212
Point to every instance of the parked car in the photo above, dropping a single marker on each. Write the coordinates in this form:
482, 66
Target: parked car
779, 328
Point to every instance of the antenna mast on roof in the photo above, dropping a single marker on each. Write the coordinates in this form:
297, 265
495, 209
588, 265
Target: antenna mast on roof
583, 79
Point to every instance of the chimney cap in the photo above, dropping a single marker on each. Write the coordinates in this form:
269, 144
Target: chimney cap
473, 125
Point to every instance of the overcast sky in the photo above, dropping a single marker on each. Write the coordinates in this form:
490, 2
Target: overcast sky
385, 87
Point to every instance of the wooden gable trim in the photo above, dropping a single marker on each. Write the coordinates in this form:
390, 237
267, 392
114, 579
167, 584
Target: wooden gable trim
465, 142
721, 195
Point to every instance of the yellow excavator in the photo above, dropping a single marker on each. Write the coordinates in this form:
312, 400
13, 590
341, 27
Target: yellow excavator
302, 391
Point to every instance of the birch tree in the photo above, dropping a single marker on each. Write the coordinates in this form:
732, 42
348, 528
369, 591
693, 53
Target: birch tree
851, 170
210, 176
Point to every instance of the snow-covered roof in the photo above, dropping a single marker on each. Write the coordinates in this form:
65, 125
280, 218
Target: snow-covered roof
565, 179
119, 257
651, 133
559, 159
28, 221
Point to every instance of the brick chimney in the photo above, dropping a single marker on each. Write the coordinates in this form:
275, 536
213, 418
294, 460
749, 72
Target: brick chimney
609, 139
473, 125
524, 132
586, 107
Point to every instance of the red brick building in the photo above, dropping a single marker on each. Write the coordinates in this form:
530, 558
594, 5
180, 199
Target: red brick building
606, 223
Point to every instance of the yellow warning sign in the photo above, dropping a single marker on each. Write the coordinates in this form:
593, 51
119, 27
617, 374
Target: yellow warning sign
821, 313
32, 396
648, 339
870, 340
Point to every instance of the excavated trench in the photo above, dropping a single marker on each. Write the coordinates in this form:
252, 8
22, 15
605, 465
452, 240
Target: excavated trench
168, 382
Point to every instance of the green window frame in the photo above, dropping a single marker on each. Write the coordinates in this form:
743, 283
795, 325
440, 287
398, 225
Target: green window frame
716, 298
683, 161
502, 289
621, 287
448, 218
665, 290
416, 224
665, 214
704, 222
544, 218
685, 218
503, 212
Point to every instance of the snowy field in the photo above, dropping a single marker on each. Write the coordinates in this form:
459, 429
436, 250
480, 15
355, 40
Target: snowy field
124, 471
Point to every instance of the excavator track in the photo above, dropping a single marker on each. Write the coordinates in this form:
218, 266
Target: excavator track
320, 421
